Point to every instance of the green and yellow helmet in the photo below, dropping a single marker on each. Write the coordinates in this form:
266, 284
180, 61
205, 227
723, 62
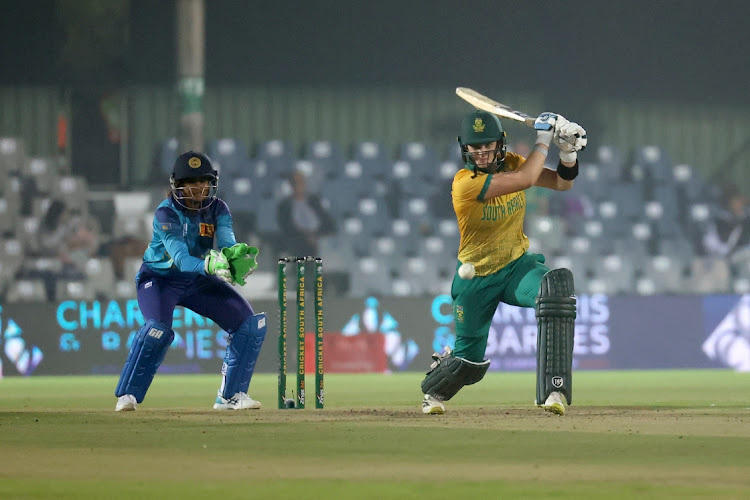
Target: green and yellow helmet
481, 127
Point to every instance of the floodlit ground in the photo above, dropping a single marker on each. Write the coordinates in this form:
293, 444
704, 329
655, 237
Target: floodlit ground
668, 434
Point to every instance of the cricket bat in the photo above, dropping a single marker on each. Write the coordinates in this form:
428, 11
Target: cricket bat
484, 103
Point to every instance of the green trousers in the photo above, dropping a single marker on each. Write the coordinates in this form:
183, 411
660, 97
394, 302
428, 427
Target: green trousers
475, 300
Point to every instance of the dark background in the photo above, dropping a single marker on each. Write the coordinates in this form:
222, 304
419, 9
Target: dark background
671, 50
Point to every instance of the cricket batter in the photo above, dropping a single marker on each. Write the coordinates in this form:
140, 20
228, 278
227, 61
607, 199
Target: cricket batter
180, 267
494, 265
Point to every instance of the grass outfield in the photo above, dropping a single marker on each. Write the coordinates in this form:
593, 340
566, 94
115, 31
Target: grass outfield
665, 434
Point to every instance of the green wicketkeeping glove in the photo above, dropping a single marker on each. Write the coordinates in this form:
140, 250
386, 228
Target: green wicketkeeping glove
242, 261
235, 251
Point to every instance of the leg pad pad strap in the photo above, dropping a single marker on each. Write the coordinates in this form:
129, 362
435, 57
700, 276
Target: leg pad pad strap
147, 351
448, 374
556, 313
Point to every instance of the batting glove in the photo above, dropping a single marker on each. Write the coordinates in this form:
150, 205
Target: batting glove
545, 128
570, 139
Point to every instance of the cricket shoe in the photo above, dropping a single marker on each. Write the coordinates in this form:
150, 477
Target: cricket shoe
554, 404
432, 406
126, 403
240, 401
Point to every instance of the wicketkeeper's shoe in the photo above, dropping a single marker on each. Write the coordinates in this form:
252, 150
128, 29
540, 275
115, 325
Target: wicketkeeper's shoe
432, 406
554, 403
126, 403
240, 401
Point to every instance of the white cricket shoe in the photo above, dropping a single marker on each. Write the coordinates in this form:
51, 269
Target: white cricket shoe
240, 401
554, 403
126, 403
432, 406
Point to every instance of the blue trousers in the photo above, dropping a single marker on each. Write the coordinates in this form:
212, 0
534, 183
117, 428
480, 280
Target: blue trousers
206, 295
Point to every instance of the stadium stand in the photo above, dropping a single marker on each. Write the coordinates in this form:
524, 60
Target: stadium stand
632, 224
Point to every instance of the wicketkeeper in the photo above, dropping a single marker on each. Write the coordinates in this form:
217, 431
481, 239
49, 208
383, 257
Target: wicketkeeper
181, 267
490, 205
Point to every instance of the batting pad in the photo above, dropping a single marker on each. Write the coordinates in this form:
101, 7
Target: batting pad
556, 314
147, 352
243, 347
449, 374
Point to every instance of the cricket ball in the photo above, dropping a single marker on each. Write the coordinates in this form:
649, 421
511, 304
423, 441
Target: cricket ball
466, 271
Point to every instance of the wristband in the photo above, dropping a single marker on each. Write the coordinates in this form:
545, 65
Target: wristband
543, 150
567, 173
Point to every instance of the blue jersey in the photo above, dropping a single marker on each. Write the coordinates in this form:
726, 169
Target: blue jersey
182, 238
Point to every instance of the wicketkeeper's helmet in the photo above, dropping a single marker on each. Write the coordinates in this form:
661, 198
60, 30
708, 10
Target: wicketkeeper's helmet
191, 166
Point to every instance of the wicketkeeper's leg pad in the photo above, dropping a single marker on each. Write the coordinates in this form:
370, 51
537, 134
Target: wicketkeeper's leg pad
448, 374
147, 351
556, 314
243, 348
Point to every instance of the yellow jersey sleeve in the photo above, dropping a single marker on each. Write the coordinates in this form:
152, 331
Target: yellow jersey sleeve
491, 229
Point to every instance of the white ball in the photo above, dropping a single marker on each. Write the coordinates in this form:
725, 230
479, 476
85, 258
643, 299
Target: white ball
466, 271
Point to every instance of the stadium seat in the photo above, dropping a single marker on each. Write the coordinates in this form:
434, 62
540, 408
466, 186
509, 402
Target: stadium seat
132, 226
637, 244
678, 247
315, 175
373, 213
421, 156
441, 254
406, 241
546, 231
417, 212
124, 289
28, 233
66, 289
325, 157
591, 183
422, 275
367, 278
579, 265
73, 190
615, 272
337, 254
611, 159
690, 182
100, 275
351, 233
278, 156
614, 223
447, 229
408, 182
26, 290
667, 272
656, 163
230, 156
629, 198
373, 157
344, 190
44, 173
12, 154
